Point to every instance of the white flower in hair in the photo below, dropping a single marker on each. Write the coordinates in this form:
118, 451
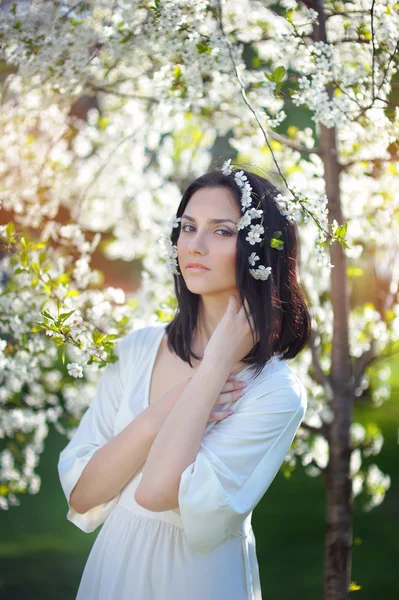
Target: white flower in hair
226, 168
261, 273
253, 258
244, 221
240, 178
170, 254
253, 236
174, 221
255, 213
246, 198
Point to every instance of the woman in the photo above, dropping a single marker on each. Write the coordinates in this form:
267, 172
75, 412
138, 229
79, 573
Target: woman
157, 457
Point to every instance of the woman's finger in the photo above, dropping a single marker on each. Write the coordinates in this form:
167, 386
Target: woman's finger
220, 415
231, 396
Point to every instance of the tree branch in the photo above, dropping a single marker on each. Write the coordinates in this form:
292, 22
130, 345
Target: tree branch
393, 158
114, 92
287, 142
320, 376
364, 361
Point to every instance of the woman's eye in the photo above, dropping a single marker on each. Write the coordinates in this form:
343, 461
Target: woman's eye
225, 231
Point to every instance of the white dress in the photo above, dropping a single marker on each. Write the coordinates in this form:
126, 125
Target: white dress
206, 550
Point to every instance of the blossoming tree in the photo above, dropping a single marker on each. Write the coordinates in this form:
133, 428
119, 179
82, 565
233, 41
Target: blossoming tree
108, 110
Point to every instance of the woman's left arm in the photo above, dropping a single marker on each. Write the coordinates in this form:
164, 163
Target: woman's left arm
179, 438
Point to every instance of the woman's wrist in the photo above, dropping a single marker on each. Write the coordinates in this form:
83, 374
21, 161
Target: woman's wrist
209, 363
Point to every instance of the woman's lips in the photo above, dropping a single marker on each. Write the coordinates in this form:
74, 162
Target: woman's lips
197, 269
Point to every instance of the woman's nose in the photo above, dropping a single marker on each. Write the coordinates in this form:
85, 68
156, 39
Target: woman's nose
197, 244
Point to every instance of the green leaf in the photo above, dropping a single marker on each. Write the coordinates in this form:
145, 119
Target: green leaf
343, 243
114, 358
10, 228
45, 313
278, 74
72, 293
63, 316
111, 336
64, 278
278, 244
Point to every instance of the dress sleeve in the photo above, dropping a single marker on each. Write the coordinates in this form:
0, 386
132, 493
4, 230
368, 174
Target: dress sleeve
238, 460
94, 431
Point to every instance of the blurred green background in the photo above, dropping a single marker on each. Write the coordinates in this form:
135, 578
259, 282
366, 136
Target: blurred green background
43, 554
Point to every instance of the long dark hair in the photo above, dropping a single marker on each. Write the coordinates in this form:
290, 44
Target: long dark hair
281, 317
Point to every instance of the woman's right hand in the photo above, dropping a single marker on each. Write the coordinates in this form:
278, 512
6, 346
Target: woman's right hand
232, 390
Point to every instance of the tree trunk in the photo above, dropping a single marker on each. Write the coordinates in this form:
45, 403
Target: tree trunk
338, 538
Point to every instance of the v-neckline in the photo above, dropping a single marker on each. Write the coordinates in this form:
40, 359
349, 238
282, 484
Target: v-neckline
152, 365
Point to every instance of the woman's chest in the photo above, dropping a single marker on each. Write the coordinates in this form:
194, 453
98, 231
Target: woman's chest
168, 372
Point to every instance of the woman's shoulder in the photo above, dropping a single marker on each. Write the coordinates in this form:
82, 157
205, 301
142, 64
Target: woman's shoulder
139, 339
281, 383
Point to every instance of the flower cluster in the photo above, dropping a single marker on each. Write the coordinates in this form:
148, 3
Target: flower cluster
254, 235
170, 249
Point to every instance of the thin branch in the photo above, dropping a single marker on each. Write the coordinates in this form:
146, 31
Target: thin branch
97, 174
373, 44
316, 430
287, 142
349, 40
364, 361
393, 158
72, 9
320, 376
244, 96
346, 13
382, 356
99, 88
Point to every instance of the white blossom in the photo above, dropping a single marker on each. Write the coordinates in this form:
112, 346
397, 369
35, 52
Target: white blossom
75, 370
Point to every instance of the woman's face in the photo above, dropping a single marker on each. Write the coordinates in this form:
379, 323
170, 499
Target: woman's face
211, 244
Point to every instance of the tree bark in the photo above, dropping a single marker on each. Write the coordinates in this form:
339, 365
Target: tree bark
338, 538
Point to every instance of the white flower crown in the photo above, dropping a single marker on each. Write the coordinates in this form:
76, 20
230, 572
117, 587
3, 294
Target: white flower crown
253, 237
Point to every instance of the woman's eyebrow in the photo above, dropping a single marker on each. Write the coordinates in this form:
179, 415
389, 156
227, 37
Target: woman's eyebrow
211, 220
